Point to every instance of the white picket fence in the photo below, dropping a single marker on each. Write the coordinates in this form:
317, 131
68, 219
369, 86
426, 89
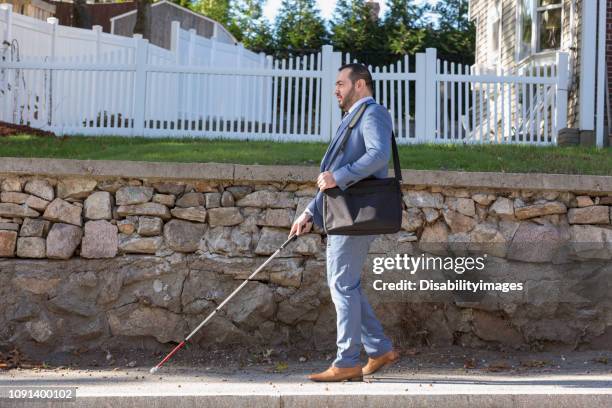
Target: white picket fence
202, 88
468, 104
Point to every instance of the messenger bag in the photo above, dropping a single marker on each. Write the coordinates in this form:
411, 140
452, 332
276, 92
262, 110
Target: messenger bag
370, 206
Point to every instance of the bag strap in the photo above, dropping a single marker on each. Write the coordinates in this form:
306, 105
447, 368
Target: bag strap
396, 163
349, 129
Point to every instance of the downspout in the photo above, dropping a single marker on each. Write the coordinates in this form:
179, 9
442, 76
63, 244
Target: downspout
572, 46
601, 82
588, 66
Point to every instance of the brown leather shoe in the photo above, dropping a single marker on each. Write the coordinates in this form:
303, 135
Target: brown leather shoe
375, 364
338, 374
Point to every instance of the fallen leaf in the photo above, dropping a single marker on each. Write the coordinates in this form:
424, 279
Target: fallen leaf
469, 363
281, 366
500, 365
535, 363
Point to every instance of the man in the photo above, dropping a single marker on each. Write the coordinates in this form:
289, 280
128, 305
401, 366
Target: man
366, 153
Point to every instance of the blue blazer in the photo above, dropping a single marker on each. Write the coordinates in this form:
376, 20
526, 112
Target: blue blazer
365, 154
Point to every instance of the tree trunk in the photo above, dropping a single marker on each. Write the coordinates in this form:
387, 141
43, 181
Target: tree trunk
143, 18
81, 16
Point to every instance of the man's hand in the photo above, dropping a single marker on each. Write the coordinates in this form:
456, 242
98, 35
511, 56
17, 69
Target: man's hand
302, 225
326, 180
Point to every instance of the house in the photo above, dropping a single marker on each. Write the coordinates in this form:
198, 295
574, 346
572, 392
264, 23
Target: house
99, 13
163, 13
33, 8
119, 18
518, 35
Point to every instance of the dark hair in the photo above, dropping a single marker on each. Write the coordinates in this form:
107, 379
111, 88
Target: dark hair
359, 71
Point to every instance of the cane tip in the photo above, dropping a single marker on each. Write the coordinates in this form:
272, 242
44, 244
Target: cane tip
153, 370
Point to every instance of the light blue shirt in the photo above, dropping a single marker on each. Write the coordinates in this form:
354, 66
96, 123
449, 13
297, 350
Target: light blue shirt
359, 102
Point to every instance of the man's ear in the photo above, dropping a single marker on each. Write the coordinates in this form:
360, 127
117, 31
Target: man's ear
360, 83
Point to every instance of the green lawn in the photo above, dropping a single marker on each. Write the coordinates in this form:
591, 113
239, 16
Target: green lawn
521, 159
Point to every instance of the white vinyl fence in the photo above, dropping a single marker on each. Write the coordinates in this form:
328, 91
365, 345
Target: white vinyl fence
203, 88
215, 95
75, 81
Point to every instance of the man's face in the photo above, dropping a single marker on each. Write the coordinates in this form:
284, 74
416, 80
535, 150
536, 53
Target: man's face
345, 90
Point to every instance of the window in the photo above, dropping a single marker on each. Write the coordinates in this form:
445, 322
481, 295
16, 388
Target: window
524, 26
549, 22
539, 26
494, 19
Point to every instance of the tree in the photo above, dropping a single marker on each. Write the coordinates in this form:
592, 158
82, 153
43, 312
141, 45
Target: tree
405, 26
355, 29
248, 24
143, 18
455, 38
184, 3
453, 15
299, 26
82, 16
218, 10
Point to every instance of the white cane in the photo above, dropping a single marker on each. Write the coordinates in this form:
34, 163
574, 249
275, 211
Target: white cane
182, 343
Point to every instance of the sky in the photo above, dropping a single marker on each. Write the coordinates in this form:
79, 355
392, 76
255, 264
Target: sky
326, 6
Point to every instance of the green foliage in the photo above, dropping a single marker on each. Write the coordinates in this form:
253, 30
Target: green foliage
243, 18
404, 26
455, 38
299, 27
249, 25
184, 3
218, 10
354, 29
453, 14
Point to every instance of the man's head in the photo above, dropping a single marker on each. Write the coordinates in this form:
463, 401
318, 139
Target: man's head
353, 82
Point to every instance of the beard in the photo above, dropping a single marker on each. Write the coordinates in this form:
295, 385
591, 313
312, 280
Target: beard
347, 101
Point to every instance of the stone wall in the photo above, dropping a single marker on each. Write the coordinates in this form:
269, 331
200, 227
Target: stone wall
93, 260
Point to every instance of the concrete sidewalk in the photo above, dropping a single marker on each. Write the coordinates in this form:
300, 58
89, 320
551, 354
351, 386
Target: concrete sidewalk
179, 386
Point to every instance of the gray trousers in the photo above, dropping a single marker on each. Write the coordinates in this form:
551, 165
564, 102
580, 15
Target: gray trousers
356, 322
